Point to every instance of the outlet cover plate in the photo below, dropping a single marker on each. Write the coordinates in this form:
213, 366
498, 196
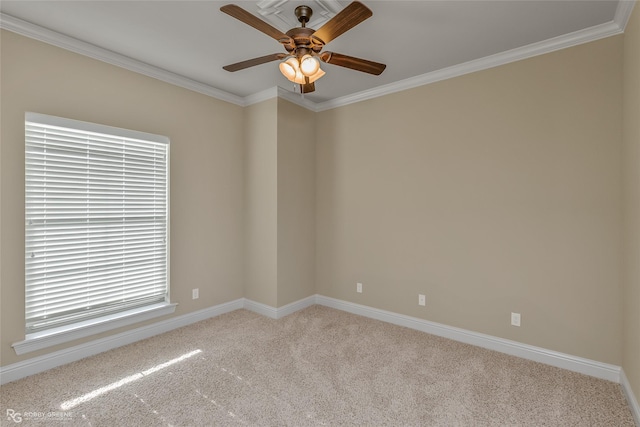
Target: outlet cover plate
515, 319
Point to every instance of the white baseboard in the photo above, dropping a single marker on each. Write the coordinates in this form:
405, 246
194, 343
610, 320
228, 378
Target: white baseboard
277, 313
42, 363
549, 357
561, 360
263, 309
92, 327
291, 308
525, 351
631, 398
48, 361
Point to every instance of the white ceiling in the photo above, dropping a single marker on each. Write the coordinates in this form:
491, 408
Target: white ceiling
420, 41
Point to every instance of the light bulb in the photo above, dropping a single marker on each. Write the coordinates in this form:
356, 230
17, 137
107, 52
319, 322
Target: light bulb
289, 68
300, 78
316, 76
309, 65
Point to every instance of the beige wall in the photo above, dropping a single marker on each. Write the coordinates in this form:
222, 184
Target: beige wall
631, 230
261, 202
493, 192
280, 202
296, 202
206, 168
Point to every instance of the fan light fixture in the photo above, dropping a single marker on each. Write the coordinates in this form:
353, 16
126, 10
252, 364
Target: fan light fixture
302, 71
301, 63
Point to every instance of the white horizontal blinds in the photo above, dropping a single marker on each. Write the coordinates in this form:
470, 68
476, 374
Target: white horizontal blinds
96, 222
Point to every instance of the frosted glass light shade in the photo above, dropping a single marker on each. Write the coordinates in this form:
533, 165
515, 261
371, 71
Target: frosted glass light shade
317, 75
309, 65
289, 68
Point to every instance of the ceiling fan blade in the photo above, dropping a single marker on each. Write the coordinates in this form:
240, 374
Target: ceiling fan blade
257, 23
255, 61
308, 87
345, 20
357, 64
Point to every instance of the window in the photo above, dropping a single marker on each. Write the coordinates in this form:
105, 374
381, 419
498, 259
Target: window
96, 232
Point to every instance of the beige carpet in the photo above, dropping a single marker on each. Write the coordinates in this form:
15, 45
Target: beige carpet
318, 366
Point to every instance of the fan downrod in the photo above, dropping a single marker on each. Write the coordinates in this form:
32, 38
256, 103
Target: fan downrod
303, 13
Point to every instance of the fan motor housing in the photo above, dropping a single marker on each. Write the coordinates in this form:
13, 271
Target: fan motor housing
302, 39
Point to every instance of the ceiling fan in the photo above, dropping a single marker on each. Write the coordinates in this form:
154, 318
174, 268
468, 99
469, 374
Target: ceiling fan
301, 63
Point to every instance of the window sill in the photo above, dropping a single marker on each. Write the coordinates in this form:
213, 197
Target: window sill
63, 334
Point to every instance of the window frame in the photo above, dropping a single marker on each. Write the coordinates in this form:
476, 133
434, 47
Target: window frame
89, 326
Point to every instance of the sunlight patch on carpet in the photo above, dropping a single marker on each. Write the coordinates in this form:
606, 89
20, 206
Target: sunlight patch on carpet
69, 404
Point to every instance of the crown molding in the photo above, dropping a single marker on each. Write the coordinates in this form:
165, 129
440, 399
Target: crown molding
297, 98
623, 13
502, 58
258, 97
612, 28
45, 35
280, 92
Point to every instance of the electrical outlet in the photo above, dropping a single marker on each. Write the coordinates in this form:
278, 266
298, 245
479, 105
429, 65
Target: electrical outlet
359, 288
421, 299
515, 319
195, 293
